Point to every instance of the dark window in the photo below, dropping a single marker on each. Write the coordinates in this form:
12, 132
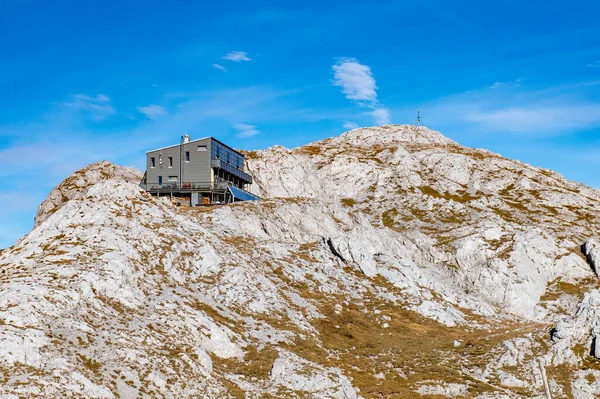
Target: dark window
201, 148
187, 156
227, 155
152, 162
170, 162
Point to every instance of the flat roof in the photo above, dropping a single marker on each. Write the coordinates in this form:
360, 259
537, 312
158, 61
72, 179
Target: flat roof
193, 141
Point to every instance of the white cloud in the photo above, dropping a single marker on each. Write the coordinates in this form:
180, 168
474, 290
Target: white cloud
594, 65
358, 84
355, 79
69, 143
503, 85
381, 116
236, 56
532, 118
245, 131
543, 113
350, 125
152, 111
98, 107
220, 67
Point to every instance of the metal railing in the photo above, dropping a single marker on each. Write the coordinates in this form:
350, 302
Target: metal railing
218, 163
186, 186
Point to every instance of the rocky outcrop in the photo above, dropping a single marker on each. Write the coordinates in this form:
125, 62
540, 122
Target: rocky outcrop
591, 250
498, 227
582, 329
76, 186
292, 372
387, 261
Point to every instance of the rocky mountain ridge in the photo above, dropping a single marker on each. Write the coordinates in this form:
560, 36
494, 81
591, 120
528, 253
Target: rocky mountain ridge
386, 262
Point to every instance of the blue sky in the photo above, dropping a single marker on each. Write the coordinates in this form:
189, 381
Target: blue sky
83, 81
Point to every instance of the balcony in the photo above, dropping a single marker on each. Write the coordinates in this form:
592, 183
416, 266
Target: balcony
177, 187
220, 164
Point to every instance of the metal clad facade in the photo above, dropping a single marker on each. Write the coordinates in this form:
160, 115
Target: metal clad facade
197, 170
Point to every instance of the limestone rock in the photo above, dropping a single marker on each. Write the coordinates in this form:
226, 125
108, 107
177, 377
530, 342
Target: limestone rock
372, 255
75, 187
591, 250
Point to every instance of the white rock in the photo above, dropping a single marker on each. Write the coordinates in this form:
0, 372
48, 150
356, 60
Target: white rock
113, 279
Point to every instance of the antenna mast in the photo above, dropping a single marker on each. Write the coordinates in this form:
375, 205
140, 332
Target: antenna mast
418, 118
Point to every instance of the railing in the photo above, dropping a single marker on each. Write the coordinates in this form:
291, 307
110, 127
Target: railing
186, 186
218, 163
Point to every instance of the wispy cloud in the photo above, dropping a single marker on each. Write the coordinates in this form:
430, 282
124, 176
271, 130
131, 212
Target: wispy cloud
594, 65
350, 125
355, 79
504, 85
69, 141
98, 107
220, 67
358, 85
245, 131
236, 56
519, 110
536, 117
381, 116
152, 111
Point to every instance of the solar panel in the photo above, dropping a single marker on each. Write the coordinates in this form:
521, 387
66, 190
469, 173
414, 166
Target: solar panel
242, 195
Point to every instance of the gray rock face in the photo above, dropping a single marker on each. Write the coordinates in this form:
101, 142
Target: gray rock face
596, 346
75, 186
495, 213
581, 328
591, 250
389, 260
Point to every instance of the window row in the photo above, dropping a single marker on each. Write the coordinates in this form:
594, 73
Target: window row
153, 160
219, 151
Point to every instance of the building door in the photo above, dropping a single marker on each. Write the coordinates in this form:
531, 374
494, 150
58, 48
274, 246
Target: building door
160, 180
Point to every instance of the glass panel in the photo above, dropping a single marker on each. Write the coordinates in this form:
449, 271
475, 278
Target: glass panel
242, 195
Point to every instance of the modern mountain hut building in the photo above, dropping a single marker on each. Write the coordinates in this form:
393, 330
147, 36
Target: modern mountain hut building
204, 171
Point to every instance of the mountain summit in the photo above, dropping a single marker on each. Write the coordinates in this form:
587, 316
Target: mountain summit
387, 262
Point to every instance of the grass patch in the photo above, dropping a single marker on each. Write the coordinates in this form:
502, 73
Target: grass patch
311, 150
255, 364
348, 202
388, 218
409, 350
460, 196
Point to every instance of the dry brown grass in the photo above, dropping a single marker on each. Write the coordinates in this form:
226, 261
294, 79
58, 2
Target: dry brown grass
311, 150
255, 364
460, 196
388, 218
251, 154
348, 202
91, 364
557, 288
410, 350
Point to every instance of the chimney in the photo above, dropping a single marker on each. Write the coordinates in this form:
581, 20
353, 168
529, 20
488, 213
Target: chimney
186, 138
